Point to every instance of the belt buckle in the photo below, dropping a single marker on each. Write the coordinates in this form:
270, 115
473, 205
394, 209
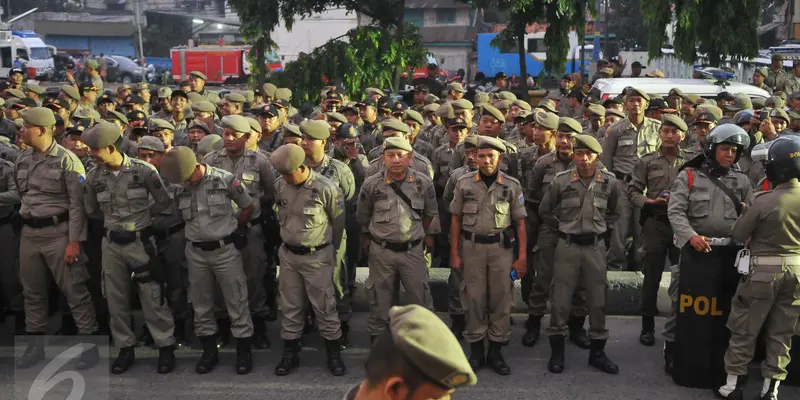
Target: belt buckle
409, 245
312, 250
568, 239
383, 244
55, 220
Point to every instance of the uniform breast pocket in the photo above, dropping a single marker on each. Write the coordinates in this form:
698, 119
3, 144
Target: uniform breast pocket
655, 174
730, 209
51, 181
699, 204
600, 204
418, 205
385, 212
185, 206
22, 179
218, 205
251, 181
137, 199
501, 214
570, 209
470, 214
625, 146
104, 199
313, 217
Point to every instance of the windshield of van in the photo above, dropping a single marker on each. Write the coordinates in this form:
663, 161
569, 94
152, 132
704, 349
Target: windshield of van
40, 53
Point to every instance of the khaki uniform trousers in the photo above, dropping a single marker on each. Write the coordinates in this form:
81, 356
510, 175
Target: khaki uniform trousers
254, 262
486, 292
43, 249
576, 265
771, 295
119, 260
386, 268
672, 318
206, 269
543, 255
308, 277
627, 225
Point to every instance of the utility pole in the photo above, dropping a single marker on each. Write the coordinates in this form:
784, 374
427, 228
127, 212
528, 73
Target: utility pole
138, 20
606, 51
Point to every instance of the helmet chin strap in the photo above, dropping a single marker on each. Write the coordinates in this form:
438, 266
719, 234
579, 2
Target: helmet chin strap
714, 168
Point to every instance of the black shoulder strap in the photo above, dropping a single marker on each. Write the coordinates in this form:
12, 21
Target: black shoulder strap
736, 202
404, 197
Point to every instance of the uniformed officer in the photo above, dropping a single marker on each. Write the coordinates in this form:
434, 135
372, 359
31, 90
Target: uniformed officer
791, 83
393, 128
396, 208
117, 192
371, 128
415, 123
50, 181
233, 104
649, 190
291, 134
254, 172
311, 213
197, 81
8, 150
415, 359
704, 202
213, 250
488, 216
9, 242
759, 77
208, 144
582, 204
625, 142
767, 296
491, 125
596, 116
776, 75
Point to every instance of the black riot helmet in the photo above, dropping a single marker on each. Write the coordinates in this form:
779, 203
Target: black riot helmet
783, 159
346, 131
726, 134
743, 117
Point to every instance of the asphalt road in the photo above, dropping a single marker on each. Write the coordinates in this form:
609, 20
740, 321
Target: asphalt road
641, 374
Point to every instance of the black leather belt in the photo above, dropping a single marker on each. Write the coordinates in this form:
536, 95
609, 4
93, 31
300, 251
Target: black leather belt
623, 177
397, 246
127, 237
482, 238
581, 240
208, 246
162, 234
303, 250
44, 222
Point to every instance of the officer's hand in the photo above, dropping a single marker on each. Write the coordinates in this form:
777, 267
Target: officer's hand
365, 240
428, 242
700, 243
521, 266
352, 151
456, 263
658, 201
72, 252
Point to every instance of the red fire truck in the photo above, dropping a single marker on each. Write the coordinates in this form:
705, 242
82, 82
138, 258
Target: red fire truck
220, 64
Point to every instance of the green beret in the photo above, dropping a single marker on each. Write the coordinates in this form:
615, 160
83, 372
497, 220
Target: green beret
614, 111
567, 124
588, 142
428, 345
118, 116
445, 111
779, 113
179, 164
71, 91
199, 125
32, 87
209, 143
370, 91
506, 95
596, 109
414, 116
523, 115
2, 102
716, 111
254, 125
249, 96
316, 129
502, 105
86, 113
481, 98
283, 94
431, 107
198, 74
157, 124
522, 104
236, 122
335, 116
235, 98
547, 105
431, 99
164, 92
638, 92
488, 142
547, 120
269, 90
759, 103
674, 120
393, 124
491, 111
19, 123
194, 97
40, 116
462, 104
287, 158
774, 101
471, 141
103, 134
292, 130
397, 143
203, 106
16, 93
151, 143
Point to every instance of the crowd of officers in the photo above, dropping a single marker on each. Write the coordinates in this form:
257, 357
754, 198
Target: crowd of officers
186, 200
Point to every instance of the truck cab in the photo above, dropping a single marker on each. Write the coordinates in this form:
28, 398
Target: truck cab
32, 50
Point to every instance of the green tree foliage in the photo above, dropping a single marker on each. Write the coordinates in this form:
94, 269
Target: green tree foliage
258, 19
625, 20
718, 29
366, 58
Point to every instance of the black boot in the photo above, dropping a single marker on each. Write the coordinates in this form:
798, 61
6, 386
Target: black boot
124, 361
495, 358
598, 358
772, 389
145, 339
104, 323
648, 335
244, 356
166, 359
335, 363
34, 352
532, 327
477, 355
309, 325
344, 341
68, 327
556, 363
669, 357
89, 357
459, 323
577, 334
19, 323
290, 359
210, 356
223, 332
733, 388
260, 340
180, 333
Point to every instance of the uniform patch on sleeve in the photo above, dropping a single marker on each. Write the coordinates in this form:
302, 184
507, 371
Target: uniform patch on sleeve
81, 179
238, 186
521, 199
157, 183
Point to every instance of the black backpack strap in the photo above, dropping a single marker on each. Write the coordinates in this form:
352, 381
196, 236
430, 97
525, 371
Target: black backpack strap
736, 202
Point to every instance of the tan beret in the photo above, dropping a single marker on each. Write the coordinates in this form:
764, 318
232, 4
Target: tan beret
157, 124
151, 143
179, 164
317, 129
103, 134
494, 112
39, 116
414, 116
287, 158
236, 122
397, 143
71, 91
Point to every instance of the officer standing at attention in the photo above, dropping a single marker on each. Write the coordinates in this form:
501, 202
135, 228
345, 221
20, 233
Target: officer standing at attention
396, 208
213, 250
197, 81
254, 172
704, 203
311, 213
394, 128
118, 192
767, 296
626, 141
50, 181
649, 190
415, 358
487, 207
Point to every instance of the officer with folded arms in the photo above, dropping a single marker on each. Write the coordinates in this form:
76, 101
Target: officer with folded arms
118, 192
767, 296
213, 252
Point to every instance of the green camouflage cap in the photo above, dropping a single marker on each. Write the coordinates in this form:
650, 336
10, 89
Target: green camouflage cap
33, 87
179, 164
393, 124
254, 125
236, 122
203, 106
488, 142
287, 158
397, 143
547, 120
316, 129
103, 134
292, 130
414, 116
71, 91
157, 124
209, 143
118, 116
39, 116
151, 143
567, 124
269, 90
494, 112
588, 142
235, 98
674, 120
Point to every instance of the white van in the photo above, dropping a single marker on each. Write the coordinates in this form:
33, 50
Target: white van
29, 48
706, 88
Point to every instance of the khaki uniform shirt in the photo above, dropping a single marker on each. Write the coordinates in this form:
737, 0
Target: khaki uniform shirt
310, 214
776, 80
791, 85
488, 210
171, 215
419, 163
770, 221
8, 187
371, 135
441, 159
206, 207
577, 206
654, 173
450, 187
424, 148
707, 210
8, 151
339, 173
426, 133
625, 144
527, 160
509, 163
209, 95
387, 217
97, 81
251, 169
51, 183
122, 201
765, 87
